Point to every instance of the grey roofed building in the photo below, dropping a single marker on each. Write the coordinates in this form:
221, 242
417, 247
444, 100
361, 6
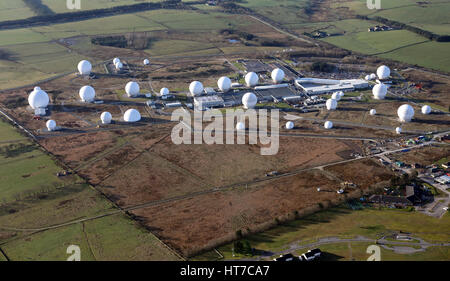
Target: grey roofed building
208, 101
390, 200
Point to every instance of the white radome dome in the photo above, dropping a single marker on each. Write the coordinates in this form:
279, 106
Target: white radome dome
146, 62
277, 75
106, 117
37, 88
84, 67
51, 125
383, 72
119, 65
367, 77
341, 94
132, 89
196, 88
116, 60
249, 100
251, 79
373, 76
289, 125
328, 125
398, 130
132, 115
336, 96
331, 104
87, 94
426, 109
405, 113
373, 112
224, 84
164, 92
240, 126
38, 99
379, 91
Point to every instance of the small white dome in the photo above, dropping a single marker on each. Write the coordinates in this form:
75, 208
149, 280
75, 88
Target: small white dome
119, 65
87, 94
251, 79
37, 88
277, 75
106, 117
132, 89
51, 125
164, 92
146, 62
328, 125
379, 91
196, 88
336, 96
383, 72
398, 130
331, 104
249, 100
116, 60
38, 99
373, 112
405, 113
426, 109
240, 126
224, 84
289, 125
84, 67
132, 115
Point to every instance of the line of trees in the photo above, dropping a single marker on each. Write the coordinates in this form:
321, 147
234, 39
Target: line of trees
425, 33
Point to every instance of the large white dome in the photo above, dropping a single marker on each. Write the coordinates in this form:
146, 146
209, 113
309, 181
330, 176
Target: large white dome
38, 98
426, 109
379, 91
249, 100
251, 79
132, 115
84, 67
51, 125
405, 113
328, 125
87, 94
196, 88
164, 92
106, 117
277, 75
132, 89
224, 84
331, 104
289, 125
383, 72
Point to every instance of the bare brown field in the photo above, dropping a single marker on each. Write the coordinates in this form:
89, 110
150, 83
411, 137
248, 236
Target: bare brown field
202, 222
424, 156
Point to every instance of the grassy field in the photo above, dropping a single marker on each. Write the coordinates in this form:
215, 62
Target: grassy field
345, 223
13, 10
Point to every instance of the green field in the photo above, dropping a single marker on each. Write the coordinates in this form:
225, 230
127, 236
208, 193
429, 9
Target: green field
110, 238
13, 10
346, 223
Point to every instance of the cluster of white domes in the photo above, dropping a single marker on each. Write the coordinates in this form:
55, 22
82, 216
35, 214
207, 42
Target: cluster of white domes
38, 98
331, 104
249, 100
196, 88
132, 89
251, 79
87, 94
405, 113
224, 84
379, 91
84, 67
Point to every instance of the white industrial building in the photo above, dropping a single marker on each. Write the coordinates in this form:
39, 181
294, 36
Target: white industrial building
317, 86
208, 101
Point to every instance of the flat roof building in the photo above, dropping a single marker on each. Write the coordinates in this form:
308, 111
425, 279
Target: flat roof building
208, 101
317, 86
